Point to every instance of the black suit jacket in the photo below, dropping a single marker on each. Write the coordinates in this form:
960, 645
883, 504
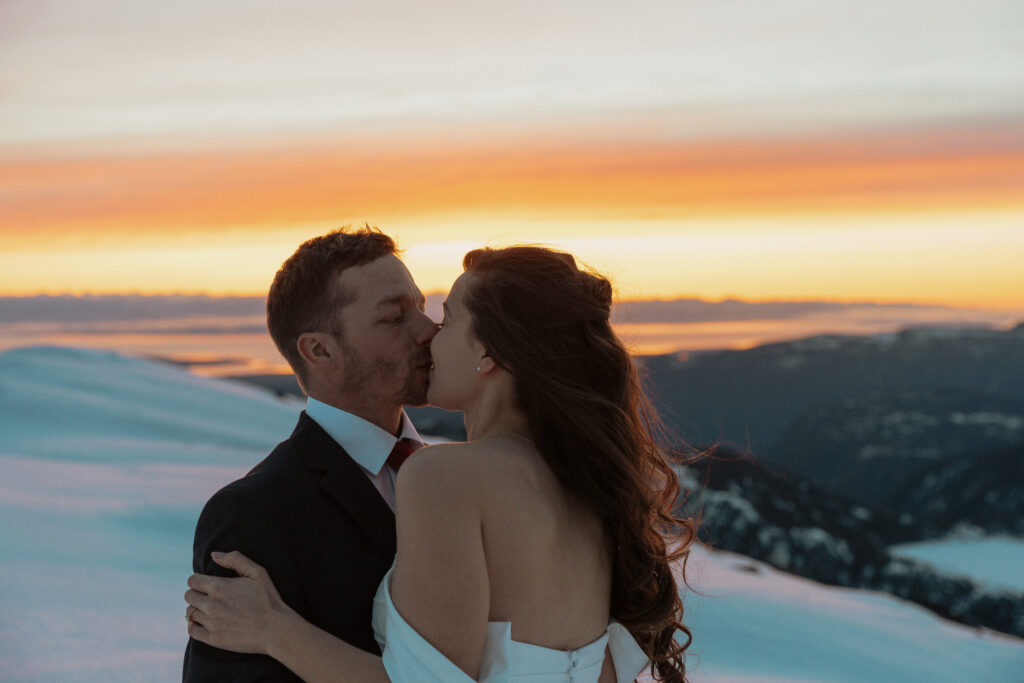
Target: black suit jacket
310, 515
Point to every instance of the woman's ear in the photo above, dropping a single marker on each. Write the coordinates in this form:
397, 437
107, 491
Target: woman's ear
486, 365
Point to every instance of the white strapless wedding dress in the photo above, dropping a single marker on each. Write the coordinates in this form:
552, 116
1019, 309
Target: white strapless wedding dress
409, 658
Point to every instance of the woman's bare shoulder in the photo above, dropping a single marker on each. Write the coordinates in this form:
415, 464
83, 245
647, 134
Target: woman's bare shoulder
440, 469
473, 466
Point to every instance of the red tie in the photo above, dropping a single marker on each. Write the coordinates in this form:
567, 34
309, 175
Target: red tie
401, 452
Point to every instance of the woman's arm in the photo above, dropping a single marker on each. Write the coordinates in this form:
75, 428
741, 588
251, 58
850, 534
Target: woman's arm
440, 584
247, 614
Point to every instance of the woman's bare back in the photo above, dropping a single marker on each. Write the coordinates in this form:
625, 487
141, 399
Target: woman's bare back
528, 553
547, 556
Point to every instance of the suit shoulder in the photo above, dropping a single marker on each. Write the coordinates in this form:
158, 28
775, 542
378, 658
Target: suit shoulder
266, 474
252, 498
246, 516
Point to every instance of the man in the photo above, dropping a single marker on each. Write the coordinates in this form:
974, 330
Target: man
318, 512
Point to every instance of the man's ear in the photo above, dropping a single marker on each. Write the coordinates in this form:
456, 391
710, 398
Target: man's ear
313, 347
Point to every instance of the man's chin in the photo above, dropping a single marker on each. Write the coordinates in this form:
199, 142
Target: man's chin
416, 396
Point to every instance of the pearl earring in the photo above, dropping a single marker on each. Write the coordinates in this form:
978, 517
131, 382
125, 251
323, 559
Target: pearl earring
478, 368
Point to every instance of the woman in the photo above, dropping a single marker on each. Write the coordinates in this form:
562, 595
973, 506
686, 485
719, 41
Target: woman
554, 517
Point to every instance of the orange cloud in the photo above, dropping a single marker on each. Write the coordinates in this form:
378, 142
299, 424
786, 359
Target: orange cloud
99, 199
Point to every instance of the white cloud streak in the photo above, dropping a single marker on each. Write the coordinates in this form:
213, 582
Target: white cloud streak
116, 68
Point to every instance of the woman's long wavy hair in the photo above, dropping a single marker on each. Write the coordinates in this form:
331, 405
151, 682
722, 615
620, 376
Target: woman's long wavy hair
547, 322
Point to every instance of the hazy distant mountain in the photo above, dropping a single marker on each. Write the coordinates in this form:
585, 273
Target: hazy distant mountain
857, 414
91, 308
873, 448
750, 397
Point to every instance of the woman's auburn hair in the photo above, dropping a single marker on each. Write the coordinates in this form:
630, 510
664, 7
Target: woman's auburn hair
547, 322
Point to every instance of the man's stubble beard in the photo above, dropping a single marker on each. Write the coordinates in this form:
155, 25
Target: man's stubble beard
367, 375
414, 390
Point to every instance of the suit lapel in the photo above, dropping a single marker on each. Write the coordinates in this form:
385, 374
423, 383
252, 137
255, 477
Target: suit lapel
346, 482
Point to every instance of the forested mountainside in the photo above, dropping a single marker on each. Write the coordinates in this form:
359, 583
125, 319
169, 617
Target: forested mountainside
982, 491
871, 418
875, 449
751, 397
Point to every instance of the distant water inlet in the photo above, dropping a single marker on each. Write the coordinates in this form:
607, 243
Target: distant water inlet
995, 562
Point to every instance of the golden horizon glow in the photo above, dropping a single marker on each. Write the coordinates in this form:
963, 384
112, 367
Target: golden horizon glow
939, 259
929, 218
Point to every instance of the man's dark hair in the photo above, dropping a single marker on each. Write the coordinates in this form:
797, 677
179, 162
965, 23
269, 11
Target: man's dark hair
304, 296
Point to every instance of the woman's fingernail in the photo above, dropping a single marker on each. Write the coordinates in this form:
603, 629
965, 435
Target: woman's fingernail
216, 555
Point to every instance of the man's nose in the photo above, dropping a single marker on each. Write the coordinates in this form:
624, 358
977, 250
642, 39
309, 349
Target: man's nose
428, 328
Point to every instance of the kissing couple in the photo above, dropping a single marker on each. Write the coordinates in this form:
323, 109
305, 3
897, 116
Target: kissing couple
541, 549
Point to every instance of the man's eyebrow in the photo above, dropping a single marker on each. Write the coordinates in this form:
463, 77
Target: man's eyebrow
400, 299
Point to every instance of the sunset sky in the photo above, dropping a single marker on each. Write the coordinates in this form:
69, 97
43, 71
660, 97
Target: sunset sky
761, 150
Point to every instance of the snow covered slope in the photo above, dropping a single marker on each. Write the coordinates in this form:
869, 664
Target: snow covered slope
105, 462
754, 623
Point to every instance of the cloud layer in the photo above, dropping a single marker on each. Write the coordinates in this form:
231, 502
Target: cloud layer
220, 336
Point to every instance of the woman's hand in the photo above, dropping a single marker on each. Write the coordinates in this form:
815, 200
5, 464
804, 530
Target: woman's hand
242, 614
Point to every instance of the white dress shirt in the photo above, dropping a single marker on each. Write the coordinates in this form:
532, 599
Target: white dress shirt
365, 442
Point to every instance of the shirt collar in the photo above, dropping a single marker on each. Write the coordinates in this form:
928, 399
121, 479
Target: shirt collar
365, 442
